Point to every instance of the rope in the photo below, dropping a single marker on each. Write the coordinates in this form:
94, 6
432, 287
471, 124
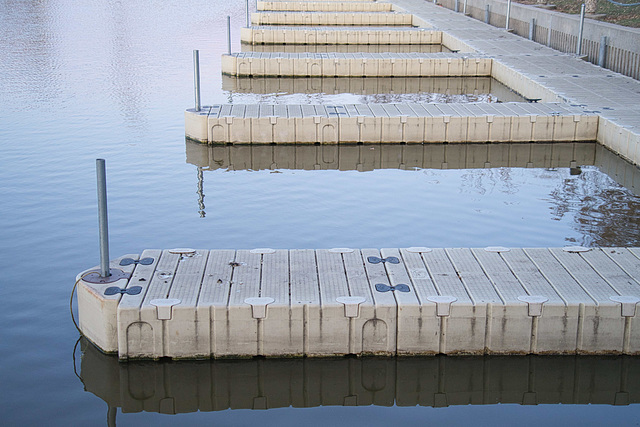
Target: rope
623, 4
71, 300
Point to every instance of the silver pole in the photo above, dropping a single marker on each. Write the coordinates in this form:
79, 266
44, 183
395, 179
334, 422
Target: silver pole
603, 51
196, 77
456, 8
229, 33
486, 14
579, 48
532, 28
247, 9
549, 34
464, 7
506, 25
103, 221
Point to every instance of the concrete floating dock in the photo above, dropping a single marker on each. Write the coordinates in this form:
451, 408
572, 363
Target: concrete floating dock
323, 6
332, 18
374, 123
414, 64
338, 35
186, 303
219, 385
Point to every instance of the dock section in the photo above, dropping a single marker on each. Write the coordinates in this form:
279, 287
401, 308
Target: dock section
375, 123
333, 18
186, 303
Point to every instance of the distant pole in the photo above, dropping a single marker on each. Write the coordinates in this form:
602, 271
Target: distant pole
506, 25
247, 10
456, 7
229, 34
532, 28
464, 7
196, 77
103, 221
487, 11
603, 51
580, 30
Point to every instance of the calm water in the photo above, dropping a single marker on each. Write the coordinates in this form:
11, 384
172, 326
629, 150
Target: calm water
82, 80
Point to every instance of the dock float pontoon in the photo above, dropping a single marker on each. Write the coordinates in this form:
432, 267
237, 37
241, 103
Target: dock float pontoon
186, 303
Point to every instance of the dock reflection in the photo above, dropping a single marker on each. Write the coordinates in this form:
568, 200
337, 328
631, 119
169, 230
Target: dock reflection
216, 385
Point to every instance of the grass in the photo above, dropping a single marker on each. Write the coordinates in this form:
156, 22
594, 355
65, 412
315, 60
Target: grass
629, 16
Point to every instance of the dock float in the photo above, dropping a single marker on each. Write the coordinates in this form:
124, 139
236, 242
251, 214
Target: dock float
323, 6
338, 35
387, 64
332, 18
375, 123
186, 303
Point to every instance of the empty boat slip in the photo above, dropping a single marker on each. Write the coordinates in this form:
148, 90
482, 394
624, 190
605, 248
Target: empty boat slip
186, 303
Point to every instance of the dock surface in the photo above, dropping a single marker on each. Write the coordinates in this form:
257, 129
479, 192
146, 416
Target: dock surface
324, 302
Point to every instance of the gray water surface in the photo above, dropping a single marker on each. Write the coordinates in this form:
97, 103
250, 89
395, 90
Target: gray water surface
95, 79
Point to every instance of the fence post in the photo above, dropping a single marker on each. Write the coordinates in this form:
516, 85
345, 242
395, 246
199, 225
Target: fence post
603, 51
486, 14
532, 28
580, 30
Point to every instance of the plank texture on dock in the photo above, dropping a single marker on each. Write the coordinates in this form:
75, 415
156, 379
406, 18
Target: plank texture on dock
225, 303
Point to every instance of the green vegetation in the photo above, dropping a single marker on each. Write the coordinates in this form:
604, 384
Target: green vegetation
628, 16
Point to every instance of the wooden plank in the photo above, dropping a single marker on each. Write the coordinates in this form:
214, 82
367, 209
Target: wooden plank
188, 278
585, 275
246, 277
445, 276
473, 277
529, 275
163, 277
331, 276
274, 281
216, 282
505, 282
558, 277
304, 277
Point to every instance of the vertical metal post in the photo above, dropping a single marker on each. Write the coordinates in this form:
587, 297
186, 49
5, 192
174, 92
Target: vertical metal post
506, 25
229, 34
455, 7
549, 34
103, 221
486, 14
196, 77
580, 30
435, 1
247, 10
464, 7
532, 28
602, 57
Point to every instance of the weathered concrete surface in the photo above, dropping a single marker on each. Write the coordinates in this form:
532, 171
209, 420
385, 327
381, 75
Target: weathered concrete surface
225, 303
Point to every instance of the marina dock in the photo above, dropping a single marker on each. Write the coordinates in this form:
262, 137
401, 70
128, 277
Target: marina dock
186, 303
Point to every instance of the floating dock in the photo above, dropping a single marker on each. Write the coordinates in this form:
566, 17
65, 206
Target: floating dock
333, 18
186, 303
375, 123
338, 35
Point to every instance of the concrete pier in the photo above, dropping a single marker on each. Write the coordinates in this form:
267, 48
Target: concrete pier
186, 303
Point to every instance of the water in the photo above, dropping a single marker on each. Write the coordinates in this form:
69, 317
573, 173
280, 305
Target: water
83, 80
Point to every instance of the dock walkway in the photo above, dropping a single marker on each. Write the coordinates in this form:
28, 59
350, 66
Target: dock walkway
225, 303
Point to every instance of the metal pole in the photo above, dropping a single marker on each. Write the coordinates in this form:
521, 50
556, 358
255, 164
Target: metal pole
506, 25
229, 34
247, 8
486, 14
532, 28
103, 221
196, 77
549, 34
456, 8
464, 7
579, 48
603, 51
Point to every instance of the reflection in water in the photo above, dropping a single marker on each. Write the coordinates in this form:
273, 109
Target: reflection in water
358, 90
345, 48
584, 181
174, 387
